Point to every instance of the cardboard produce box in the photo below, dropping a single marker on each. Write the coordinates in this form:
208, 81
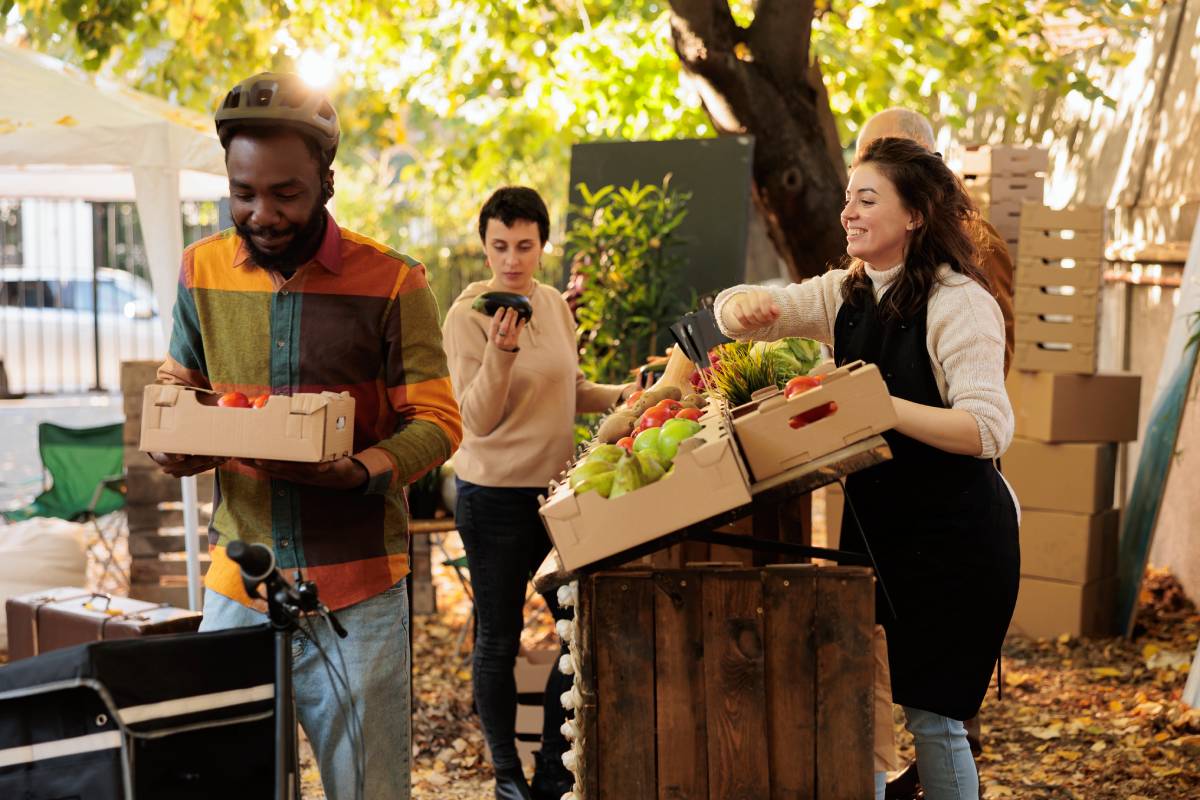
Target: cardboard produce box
1079, 548
1055, 328
1059, 407
708, 478
1005, 218
1061, 477
1051, 233
1083, 273
995, 190
1078, 359
1053, 244
771, 445
302, 427
1047, 609
1080, 219
1007, 160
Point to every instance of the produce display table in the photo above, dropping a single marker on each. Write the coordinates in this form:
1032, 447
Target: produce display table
773, 536
726, 681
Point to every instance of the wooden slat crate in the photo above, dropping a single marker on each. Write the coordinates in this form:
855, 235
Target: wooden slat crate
726, 683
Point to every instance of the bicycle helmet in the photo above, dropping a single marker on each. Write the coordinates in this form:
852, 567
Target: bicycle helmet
271, 99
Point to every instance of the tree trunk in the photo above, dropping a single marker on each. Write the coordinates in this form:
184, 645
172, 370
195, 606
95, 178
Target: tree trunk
760, 81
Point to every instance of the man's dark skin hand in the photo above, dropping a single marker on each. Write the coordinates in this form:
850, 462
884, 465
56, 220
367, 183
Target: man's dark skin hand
342, 473
178, 465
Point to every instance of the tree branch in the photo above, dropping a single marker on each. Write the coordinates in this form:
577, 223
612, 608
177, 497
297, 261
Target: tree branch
779, 38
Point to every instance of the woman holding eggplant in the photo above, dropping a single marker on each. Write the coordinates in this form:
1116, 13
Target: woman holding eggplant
514, 364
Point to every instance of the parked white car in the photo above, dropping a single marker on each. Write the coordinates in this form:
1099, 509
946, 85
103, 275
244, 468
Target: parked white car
49, 325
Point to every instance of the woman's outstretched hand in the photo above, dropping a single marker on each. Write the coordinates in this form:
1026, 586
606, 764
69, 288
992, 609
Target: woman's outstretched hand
748, 311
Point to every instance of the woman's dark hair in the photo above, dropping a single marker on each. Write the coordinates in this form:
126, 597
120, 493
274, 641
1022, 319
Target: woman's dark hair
511, 203
949, 231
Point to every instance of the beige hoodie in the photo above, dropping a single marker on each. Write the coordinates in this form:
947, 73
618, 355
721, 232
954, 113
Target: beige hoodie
518, 409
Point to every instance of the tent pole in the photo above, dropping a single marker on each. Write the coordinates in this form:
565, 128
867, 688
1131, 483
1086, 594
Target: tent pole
191, 519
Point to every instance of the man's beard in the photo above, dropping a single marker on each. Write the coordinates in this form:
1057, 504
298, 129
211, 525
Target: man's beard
306, 240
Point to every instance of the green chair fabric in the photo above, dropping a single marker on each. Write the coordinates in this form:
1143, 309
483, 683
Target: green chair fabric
84, 467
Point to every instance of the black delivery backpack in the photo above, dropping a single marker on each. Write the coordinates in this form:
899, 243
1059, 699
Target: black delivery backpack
179, 716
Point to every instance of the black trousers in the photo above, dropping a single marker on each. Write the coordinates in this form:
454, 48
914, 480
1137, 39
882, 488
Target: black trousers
506, 543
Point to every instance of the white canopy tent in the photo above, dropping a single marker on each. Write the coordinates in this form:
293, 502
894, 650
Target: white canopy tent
74, 128
66, 134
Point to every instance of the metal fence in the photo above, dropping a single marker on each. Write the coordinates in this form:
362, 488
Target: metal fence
75, 292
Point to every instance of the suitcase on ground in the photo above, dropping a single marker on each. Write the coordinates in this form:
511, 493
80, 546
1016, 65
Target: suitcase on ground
52, 619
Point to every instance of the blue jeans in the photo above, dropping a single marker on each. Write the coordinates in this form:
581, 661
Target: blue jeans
378, 669
943, 756
506, 542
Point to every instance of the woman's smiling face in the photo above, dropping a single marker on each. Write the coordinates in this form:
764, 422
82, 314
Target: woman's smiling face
877, 224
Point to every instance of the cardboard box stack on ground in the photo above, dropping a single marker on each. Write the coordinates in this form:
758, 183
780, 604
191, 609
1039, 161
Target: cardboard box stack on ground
153, 507
1002, 177
531, 672
1057, 296
1062, 466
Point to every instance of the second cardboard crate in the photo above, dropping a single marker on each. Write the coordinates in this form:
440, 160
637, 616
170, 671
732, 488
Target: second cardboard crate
861, 408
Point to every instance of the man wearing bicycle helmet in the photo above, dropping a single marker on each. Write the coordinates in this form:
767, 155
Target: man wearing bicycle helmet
288, 301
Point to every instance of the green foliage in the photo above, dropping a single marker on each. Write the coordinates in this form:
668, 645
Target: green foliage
622, 242
953, 60
441, 102
742, 368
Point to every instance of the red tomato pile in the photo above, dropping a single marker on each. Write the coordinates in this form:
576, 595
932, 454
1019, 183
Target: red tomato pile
239, 400
799, 385
656, 415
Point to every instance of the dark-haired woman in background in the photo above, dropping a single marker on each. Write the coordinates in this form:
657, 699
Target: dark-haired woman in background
939, 519
519, 388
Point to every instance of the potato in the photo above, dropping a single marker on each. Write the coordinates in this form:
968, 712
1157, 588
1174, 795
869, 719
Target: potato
658, 393
616, 426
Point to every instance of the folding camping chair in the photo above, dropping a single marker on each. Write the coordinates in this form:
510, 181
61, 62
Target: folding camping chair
84, 481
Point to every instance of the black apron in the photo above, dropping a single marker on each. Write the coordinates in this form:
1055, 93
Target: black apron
942, 529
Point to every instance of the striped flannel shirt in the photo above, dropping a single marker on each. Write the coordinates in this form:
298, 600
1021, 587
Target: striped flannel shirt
359, 318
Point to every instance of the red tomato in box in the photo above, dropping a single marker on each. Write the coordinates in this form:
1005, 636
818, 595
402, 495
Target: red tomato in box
654, 418
633, 398
801, 383
670, 405
689, 413
812, 415
233, 400
260, 400
626, 442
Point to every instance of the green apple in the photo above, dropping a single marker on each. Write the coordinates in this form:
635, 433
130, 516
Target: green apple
646, 440
673, 432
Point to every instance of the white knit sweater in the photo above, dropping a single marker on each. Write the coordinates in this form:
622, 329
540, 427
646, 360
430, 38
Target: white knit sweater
965, 339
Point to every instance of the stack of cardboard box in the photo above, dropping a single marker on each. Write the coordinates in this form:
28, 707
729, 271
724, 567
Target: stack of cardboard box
1002, 177
1057, 295
1069, 420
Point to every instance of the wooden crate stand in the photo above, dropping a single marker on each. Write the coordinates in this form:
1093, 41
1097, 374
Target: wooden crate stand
726, 683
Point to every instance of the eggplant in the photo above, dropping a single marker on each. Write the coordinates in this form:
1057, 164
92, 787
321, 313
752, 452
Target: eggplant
491, 302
